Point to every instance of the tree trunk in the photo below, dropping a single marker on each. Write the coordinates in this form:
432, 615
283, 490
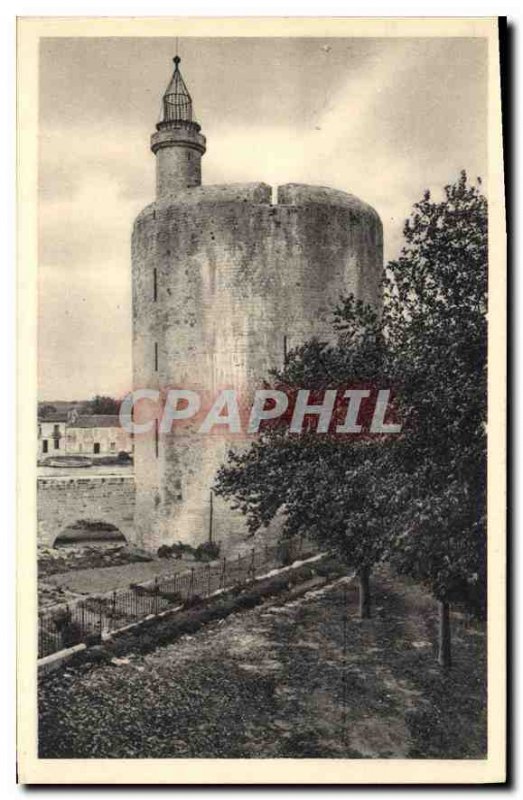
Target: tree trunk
444, 654
364, 575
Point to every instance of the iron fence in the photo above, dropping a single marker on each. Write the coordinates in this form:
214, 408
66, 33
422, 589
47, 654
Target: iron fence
88, 619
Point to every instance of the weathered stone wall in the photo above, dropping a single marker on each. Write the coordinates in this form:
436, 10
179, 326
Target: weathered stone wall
61, 501
178, 151
177, 168
236, 277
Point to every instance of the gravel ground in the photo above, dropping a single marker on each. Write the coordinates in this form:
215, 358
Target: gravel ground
305, 679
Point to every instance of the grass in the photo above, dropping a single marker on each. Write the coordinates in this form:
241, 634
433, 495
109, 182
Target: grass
56, 561
300, 679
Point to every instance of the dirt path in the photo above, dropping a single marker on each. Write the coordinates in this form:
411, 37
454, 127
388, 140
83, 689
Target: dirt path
305, 679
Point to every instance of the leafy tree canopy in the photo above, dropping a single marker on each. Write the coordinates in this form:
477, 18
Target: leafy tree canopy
435, 322
102, 404
417, 499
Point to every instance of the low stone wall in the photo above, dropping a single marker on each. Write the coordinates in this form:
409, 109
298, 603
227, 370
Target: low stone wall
64, 500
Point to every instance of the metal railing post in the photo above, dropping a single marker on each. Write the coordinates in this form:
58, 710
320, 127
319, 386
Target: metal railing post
100, 609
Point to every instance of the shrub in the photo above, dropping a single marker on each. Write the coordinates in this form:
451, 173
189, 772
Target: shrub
248, 601
177, 550
98, 655
330, 567
62, 618
278, 584
119, 646
207, 551
92, 639
204, 616
306, 573
72, 634
285, 552
172, 597
147, 642
193, 601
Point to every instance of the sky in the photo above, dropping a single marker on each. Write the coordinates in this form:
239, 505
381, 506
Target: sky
383, 119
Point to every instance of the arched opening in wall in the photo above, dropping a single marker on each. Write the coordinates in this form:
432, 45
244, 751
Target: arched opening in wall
90, 532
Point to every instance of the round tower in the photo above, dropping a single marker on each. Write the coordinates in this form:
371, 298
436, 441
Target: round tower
224, 283
177, 143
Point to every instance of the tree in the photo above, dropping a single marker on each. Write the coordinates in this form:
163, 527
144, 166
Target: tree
325, 485
435, 323
418, 499
102, 404
45, 410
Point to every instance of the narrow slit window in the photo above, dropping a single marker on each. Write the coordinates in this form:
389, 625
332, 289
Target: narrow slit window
155, 286
156, 356
156, 438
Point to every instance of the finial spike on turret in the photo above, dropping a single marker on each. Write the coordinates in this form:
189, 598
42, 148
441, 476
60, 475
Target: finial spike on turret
177, 103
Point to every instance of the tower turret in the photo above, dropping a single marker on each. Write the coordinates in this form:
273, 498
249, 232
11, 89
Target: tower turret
177, 144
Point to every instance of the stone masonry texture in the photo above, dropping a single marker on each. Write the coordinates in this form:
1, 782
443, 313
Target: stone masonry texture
237, 280
62, 501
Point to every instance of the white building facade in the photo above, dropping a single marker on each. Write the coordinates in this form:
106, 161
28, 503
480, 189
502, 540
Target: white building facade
90, 435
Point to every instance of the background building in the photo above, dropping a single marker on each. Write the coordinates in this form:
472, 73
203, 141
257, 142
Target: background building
82, 434
51, 435
97, 434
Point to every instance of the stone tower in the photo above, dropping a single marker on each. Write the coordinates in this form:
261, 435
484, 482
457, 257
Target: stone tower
223, 282
177, 144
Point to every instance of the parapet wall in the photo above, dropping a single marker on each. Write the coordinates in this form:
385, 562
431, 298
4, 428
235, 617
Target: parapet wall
62, 501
